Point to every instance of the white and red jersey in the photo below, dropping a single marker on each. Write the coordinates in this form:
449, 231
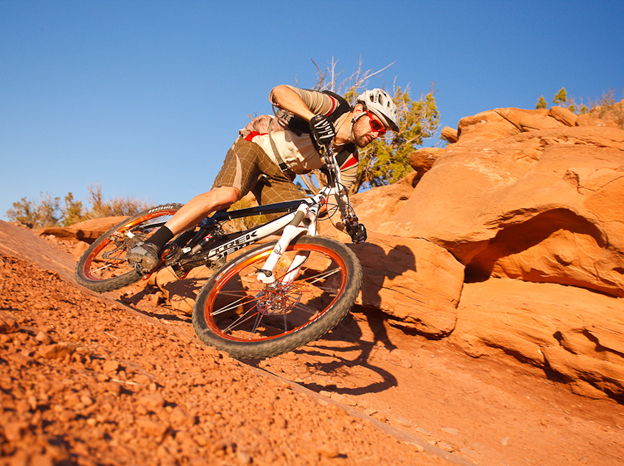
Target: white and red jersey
292, 139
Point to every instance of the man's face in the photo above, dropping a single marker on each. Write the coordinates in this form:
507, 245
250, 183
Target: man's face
363, 128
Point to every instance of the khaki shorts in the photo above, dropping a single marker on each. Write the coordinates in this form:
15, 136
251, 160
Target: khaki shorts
249, 169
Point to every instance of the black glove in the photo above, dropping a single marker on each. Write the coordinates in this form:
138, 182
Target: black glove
321, 130
357, 232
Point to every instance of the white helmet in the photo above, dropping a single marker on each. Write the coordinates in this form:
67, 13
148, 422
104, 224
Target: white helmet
380, 103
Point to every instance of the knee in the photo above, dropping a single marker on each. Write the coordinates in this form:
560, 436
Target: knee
225, 196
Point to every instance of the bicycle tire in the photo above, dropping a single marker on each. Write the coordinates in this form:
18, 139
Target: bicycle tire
233, 297
115, 272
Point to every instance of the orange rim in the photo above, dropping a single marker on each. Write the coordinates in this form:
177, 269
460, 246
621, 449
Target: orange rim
283, 298
89, 261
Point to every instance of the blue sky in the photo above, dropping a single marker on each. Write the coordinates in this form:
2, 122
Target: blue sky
145, 97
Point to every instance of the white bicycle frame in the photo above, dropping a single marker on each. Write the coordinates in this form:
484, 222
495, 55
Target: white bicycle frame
294, 228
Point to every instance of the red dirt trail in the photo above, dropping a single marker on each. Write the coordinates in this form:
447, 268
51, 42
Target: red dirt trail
117, 379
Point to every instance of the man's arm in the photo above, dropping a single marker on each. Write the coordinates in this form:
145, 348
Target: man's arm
284, 97
312, 106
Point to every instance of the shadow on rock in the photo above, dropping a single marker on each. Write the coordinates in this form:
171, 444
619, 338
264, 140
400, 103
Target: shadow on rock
350, 332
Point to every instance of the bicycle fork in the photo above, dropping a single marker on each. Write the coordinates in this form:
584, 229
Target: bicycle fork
266, 275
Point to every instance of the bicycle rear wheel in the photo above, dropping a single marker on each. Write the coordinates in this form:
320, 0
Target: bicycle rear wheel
103, 266
236, 313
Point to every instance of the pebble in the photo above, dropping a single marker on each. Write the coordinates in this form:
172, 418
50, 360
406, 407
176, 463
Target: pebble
110, 366
153, 428
142, 379
152, 401
404, 422
180, 417
415, 446
43, 337
8, 323
342, 399
450, 430
15, 431
328, 452
67, 415
55, 350
380, 417
113, 387
445, 446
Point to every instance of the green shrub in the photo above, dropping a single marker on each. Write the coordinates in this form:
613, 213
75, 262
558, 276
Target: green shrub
48, 211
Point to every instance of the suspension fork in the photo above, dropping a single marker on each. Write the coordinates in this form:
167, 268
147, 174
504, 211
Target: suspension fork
266, 275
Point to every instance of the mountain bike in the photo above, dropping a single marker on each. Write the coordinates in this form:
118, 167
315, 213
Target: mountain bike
260, 301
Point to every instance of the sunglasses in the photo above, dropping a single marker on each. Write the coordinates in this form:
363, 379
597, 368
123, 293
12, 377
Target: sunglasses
375, 124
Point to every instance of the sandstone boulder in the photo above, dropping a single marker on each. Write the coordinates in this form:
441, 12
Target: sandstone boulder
535, 196
575, 334
541, 205
416, 282
423, 159
380, 203
565, 116
590, 120
449, 134
87, 231
488, 125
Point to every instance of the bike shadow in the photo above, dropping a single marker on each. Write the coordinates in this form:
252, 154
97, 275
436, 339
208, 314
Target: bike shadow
366, 332
176, 296
380, 269
339, 345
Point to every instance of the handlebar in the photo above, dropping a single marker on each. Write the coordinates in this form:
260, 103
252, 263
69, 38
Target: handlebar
356, 230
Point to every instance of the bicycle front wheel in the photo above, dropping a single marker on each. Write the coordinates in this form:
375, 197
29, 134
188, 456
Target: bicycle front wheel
317, 282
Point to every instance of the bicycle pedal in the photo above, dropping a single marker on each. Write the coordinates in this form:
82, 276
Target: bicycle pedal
171, 253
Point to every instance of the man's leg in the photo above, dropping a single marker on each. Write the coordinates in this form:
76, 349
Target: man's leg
147, 255
237, 176
198, 208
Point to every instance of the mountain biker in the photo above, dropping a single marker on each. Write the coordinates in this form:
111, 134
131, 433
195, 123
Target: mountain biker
272, 150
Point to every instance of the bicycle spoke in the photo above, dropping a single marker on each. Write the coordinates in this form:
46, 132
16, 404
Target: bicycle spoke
241, 309
241, 320
99, 269
305, 308
256, 324
234, 305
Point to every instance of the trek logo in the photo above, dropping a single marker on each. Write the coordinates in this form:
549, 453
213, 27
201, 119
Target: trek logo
235, 244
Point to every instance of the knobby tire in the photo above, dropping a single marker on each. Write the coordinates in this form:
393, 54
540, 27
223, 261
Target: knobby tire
101, 274
237, 314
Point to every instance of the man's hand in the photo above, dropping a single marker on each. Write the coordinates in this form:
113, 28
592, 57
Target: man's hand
357, 232
322, 131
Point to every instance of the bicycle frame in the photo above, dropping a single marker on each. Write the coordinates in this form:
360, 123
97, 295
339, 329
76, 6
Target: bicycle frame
301, 218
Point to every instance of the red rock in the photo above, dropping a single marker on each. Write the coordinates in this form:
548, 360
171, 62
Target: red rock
180, 417
56, 350
152, 401
153, 428
110, 366
15, 431
88, 231
112, 387
539, 206
572, 331
8, 323
43, 337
